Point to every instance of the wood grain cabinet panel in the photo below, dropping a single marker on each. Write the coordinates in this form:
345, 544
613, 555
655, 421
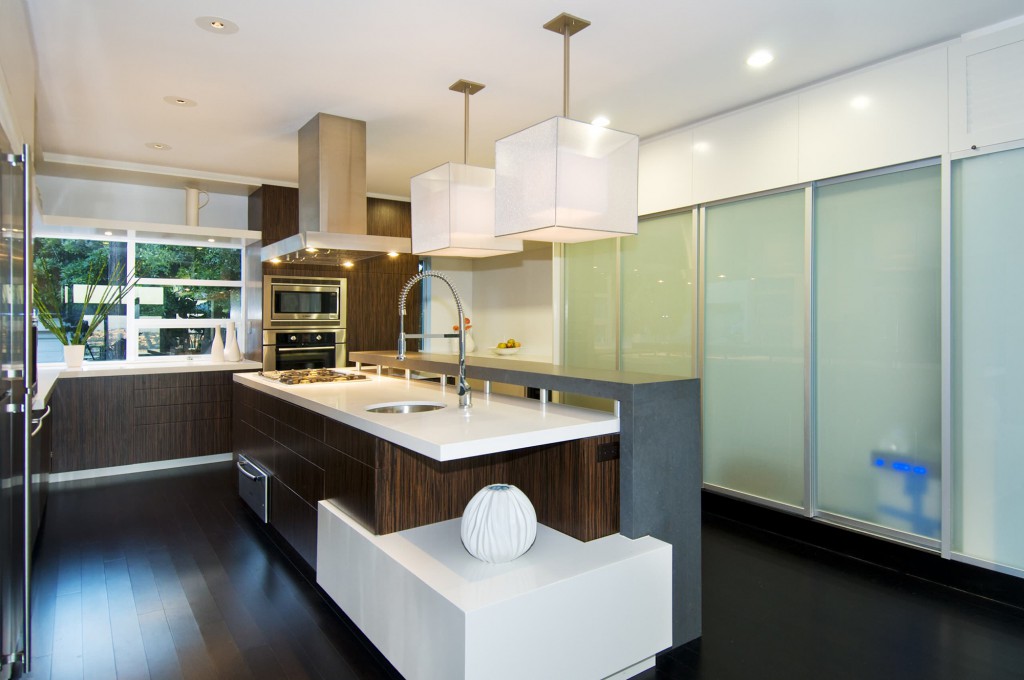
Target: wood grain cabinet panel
94, 428
182, 415
124, 420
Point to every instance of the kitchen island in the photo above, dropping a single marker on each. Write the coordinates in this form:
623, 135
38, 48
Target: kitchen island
660, 453
585, 601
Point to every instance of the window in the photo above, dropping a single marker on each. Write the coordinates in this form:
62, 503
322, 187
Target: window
183, 291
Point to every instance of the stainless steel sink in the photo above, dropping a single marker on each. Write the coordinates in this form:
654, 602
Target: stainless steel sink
405, 407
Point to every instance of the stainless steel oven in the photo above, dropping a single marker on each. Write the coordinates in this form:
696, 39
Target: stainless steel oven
304, 322
303, 302
285, 350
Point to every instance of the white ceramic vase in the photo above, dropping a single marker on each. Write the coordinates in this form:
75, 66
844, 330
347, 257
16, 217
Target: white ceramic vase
499, 524
231, 351
74, 355
217, 348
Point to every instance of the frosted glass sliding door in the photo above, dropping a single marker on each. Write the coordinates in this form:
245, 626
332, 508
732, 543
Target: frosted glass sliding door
877, 334
988, 358
658, 284
753, 387
591, 304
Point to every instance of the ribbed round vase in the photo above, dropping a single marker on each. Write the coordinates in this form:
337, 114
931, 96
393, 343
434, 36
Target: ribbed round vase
499, 524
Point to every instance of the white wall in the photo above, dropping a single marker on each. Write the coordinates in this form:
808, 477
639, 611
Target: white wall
134, 202
507, 296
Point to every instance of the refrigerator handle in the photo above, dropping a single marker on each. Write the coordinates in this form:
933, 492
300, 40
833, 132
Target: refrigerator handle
29, 360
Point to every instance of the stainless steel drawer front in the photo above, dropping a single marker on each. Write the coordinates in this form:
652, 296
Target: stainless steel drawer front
254, 487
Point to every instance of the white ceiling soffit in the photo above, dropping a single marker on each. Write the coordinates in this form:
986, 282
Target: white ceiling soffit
106, 66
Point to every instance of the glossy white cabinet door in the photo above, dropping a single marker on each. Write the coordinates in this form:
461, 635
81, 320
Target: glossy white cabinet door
666, 173
746, 152
889, 114
986, 89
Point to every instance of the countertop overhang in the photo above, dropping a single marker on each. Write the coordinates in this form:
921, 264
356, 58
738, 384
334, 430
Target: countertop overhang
494, 424
520, 371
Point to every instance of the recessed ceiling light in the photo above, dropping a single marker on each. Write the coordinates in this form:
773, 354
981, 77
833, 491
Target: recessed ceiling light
392, 254
275, 260
760, 58
211, 240
312, 250
180, 101
159, 146
347, 264
601, 121
860, 102
217, 25
108, 233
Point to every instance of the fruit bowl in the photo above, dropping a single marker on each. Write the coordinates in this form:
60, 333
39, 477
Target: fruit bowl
503, 351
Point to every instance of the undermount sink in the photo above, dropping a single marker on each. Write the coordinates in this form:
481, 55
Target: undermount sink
406, 407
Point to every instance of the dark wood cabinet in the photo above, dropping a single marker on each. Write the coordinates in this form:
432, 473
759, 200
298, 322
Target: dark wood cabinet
574, 485
122, 420
274, 211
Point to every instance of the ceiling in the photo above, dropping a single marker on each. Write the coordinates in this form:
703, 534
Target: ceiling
105, 67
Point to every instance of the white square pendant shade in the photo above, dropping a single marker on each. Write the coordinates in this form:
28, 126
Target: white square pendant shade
566, 181
453, 213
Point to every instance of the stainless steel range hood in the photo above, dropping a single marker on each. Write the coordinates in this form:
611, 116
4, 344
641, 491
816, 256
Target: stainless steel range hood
332, 199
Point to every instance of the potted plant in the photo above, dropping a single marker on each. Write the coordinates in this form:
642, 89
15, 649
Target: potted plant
58, 316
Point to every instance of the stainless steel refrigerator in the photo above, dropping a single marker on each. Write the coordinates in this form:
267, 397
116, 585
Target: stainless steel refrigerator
17, 370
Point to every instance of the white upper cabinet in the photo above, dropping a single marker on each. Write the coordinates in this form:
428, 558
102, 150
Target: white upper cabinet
986, 89
666, 173
888, 114
749, 151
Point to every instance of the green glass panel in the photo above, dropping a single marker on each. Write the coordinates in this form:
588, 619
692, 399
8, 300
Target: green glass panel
877, 334
988, 364
753, 387
658, 283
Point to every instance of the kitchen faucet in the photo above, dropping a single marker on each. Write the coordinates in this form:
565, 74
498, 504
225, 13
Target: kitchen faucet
465, 397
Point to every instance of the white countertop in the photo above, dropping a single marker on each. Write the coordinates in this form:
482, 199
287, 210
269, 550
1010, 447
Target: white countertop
47, 374
494, 424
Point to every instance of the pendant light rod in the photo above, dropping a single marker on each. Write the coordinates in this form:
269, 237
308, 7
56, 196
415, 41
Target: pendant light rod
466, 87
566, 25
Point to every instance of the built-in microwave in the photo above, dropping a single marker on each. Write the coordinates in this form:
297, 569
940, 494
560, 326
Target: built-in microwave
303, 302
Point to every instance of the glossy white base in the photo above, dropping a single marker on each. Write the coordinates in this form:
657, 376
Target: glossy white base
565, 609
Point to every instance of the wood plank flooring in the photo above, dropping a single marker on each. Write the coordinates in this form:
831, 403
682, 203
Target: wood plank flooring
167, 575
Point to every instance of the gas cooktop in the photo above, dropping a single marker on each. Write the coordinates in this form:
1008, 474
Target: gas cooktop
305, 376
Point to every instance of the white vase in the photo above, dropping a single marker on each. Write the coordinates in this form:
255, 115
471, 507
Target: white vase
217, 348
74, 355
470, 345
231, 351
499, 524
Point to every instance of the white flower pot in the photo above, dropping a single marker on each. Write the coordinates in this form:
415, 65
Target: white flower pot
499, 524
74, 355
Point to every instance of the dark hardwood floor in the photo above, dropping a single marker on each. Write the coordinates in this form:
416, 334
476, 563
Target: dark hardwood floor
166, 575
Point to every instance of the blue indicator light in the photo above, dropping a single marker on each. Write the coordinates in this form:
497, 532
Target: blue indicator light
902, 467
920, 470
880, 462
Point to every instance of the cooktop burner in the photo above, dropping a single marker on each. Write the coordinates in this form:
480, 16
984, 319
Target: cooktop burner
305, 376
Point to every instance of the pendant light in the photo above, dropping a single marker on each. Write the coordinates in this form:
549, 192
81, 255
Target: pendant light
453, 204
564, 180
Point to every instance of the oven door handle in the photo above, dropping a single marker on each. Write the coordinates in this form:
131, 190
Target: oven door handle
302, 349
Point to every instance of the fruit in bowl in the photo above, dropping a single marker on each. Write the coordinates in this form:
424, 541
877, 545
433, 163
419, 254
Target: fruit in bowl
510, 346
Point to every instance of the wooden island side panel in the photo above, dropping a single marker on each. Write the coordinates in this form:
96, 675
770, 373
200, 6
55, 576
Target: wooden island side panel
574, 486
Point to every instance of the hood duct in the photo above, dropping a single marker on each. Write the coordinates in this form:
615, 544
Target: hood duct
332, 199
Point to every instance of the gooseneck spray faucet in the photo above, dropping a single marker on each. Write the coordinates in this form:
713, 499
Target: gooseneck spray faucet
465, 397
